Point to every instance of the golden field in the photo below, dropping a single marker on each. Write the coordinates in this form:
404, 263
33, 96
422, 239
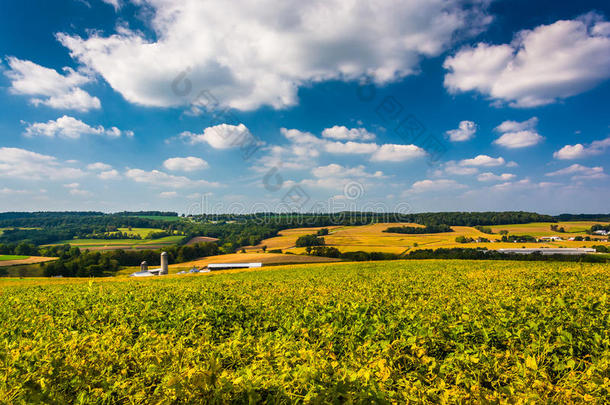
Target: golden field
371, 238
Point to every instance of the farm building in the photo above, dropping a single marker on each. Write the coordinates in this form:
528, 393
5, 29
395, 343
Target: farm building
145, 272
550, 251
551, 238
226, 266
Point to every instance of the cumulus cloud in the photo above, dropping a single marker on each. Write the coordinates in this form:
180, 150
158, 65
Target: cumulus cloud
483, 161
168, 194
27, 165
47, 87
488, 176
427, 185
74, 189
397, 153
109, 175
464, 132
250, 54
518, 134
222, 136
336, 170
344, 134
99, 166
540, 66
305, 147
71, 128
580, 151
186, 164
162, 179
579, 172
114, 3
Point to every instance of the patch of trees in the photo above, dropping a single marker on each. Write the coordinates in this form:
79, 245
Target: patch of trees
465, 239
309, 240
599, 227
419, 230
20, 249
518, 238
601, 248
323, 232
484, 229
556, 228
359, 256
583, 217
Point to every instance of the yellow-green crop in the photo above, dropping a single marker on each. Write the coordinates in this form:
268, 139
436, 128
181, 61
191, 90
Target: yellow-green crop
423, 331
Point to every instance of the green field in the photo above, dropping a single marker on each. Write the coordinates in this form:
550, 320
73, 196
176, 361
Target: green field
4, 258
87, 243
142, 232
415, 331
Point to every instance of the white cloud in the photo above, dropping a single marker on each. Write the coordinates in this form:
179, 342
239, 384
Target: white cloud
335, 170
57, 91
251, 54
488, 176
168, 194
344, 134
71, 128
11, 191
521, 139
351, 147
397, 153
427, 185
109, 175
79, 192
516, 126
579, 172
114, 3
464, 132
451, 167
27, 165
580, 151
540, 66
483, 161
186, 164
518, 134
162, 179
98, 166
222, 136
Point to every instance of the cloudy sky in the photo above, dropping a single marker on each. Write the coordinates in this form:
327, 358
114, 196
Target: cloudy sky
241, 106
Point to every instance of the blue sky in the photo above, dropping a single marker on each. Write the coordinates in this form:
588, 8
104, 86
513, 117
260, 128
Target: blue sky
279, 106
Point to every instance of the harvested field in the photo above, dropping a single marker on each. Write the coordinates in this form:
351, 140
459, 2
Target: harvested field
26, 260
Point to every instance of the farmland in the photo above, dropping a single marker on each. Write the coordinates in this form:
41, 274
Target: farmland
12, 257
419, 331
110, 244
13, 260
371, 238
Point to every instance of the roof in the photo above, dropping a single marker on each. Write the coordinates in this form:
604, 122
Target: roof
233, 265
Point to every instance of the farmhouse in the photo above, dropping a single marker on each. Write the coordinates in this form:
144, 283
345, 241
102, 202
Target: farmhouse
601, 232
550, 238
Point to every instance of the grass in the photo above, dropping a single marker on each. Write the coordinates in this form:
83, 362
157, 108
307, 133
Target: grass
12, 257
383, 332
127, 243
142, 232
